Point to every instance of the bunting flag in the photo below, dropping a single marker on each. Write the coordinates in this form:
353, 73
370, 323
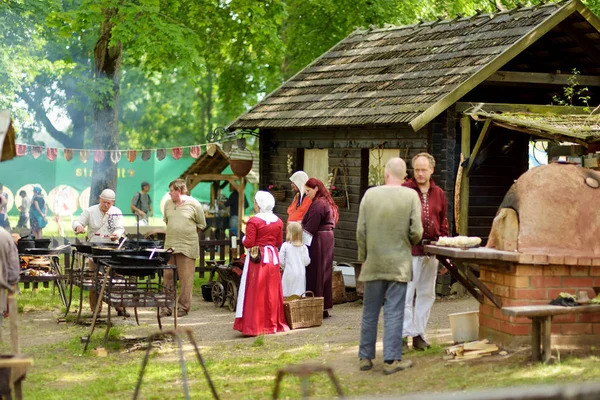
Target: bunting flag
211, 149
98, 155
131, 155
195, 151
115, 156
68, 154
21, 150
51, 153
177, 152
84, 155
36, 151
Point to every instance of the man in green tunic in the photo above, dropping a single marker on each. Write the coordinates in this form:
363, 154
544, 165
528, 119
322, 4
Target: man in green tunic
389, 224
184, 217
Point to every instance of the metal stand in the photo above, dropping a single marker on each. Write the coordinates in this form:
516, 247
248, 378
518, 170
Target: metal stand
177, 334
304, 371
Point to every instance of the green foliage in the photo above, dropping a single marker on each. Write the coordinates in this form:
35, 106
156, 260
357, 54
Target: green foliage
187, 67
573, 92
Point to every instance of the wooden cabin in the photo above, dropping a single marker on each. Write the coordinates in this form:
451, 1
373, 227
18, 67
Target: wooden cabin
440, 87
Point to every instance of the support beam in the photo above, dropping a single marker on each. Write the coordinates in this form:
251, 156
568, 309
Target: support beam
482, 135
469, 107
542, 78
465, 124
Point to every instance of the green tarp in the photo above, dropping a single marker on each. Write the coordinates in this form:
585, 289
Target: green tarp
26, 170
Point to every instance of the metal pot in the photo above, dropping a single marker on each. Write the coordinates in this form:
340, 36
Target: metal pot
24, 244
42, 243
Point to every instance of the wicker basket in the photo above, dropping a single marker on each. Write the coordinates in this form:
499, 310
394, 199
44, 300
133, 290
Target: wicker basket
279, 195
305, 312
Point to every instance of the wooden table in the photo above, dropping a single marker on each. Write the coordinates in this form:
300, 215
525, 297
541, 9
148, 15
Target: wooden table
452, 258
541, 320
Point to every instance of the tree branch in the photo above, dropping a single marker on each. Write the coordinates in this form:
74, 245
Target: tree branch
41, 116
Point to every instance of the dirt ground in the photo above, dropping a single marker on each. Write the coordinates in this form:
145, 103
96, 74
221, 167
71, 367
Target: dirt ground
213, 327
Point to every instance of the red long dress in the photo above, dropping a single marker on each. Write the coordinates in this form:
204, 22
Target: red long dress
263, 300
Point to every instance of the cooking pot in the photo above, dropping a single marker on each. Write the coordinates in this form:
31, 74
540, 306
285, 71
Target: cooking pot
144, 243
83, 247
42, 243
163, 254
102, 250
25, 243
128, 259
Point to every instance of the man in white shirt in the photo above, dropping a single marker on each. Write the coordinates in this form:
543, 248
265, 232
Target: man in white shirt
104, 220
105, 224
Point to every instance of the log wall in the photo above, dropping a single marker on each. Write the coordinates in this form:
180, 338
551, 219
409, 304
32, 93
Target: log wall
349, 144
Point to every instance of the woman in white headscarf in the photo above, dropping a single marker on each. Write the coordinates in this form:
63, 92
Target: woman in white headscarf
301, 202
259, 308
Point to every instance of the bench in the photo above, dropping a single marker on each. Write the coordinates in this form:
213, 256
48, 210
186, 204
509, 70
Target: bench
541, 320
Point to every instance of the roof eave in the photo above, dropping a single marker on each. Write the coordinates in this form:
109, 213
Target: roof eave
537, 32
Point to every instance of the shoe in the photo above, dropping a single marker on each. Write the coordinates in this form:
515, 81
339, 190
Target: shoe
397, 365
165, 313
326, 314
181, 312
419, 343
123, 313
405, 348
365, 364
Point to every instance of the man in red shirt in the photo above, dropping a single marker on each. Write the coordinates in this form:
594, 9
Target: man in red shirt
420, 293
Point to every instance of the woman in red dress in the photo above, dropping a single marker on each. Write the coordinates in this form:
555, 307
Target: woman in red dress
318, 224
259, 308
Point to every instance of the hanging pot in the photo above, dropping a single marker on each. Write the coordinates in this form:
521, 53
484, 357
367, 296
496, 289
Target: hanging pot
240, 168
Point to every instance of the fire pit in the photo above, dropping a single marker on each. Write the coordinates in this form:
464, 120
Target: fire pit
544, 240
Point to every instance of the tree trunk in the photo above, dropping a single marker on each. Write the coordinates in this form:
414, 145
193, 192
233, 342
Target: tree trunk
107, 57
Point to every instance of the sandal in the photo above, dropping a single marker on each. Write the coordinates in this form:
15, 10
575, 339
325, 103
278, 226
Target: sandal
181, 312
165, 313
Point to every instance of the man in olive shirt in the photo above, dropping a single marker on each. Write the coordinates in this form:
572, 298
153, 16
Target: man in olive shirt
389, 224
184, 216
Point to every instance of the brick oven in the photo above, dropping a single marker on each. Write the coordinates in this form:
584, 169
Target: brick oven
545, 240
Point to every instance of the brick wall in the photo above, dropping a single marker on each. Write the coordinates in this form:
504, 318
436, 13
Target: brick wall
537, 280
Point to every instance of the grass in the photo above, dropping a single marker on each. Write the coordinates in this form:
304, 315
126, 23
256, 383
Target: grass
246, 369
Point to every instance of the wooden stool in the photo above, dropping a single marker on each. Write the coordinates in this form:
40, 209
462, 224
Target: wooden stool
304, 371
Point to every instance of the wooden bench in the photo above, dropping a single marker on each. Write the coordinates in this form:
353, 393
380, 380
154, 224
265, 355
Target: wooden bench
541, 320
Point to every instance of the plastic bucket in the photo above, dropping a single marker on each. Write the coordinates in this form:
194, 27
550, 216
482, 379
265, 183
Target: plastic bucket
464, 326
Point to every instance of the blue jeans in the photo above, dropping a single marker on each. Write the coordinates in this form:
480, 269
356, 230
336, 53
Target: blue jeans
392, 296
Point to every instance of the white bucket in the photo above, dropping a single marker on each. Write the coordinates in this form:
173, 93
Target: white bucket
464, 326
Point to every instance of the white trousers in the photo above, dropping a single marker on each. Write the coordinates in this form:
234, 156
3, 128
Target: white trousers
421, 292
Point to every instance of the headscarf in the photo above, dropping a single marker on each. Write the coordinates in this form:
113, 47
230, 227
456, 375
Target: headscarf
299, 179
265, 202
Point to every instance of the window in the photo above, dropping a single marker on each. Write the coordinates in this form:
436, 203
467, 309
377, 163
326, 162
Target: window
377, 160
316, 163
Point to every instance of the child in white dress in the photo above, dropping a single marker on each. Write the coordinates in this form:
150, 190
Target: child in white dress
294, 258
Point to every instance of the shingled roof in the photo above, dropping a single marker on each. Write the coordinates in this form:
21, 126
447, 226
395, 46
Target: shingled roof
408, 74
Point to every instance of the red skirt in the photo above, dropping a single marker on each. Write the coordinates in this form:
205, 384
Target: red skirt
263, 303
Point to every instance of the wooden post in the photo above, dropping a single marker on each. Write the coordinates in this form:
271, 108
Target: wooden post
546, 339
536, 338
465, 124
241, 206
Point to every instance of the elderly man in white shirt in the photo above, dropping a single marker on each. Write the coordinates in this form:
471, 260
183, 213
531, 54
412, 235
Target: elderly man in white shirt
105, 224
